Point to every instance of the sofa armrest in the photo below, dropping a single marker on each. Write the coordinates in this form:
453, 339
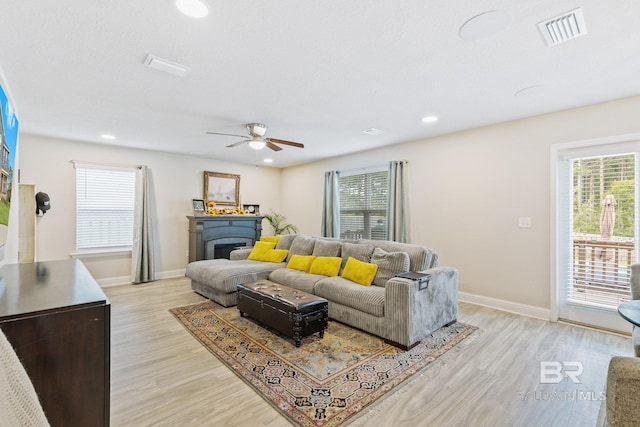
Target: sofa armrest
239, 254
412, 313
623, 391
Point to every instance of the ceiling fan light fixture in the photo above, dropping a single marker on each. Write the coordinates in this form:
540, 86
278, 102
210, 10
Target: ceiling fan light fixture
193, 8
257, 144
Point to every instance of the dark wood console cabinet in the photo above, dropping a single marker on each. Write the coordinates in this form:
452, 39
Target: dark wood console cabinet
209, 233
57, 319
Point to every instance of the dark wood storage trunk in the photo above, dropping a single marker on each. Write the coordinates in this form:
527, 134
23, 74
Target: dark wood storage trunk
294, 313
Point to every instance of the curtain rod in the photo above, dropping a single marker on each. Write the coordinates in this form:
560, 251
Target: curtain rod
364, 168
107, 165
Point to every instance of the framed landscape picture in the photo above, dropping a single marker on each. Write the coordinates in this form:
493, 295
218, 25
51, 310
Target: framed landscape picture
222, 188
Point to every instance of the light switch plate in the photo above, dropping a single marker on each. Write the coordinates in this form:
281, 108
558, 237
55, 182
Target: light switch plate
524, 222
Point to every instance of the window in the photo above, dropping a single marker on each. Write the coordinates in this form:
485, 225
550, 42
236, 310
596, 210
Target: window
603, 225
596, 228
363, 204
104, 207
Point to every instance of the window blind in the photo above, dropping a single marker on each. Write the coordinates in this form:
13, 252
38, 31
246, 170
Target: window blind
603, 224
104, 207
363, 205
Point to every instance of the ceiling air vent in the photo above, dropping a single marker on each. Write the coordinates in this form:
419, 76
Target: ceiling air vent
373, 131
165, 65
564, 27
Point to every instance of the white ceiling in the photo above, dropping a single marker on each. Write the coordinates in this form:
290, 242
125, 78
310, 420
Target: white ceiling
316, 72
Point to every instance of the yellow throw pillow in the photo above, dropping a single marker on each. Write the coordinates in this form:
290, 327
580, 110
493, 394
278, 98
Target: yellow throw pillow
326, 266
259, 249
274, 255
359, 272
272, 239
301, 262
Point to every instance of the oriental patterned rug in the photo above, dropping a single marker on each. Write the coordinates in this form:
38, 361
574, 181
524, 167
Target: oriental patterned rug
326, 381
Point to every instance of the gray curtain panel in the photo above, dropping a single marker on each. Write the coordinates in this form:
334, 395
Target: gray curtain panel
398, 208
142, 262
331, 206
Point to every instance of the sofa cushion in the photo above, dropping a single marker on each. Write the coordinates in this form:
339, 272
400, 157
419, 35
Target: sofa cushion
259, 249
301, 246
420, 257
275, 255
326, 266
301, 262
327, 248
296, 279
285, 241
357, 251
272, 239
224, 275
360, 272
389, 264
368, 299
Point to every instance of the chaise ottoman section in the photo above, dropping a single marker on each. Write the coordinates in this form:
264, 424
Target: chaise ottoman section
218, 279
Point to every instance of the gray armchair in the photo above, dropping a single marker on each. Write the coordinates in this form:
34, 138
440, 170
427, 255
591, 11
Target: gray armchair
623, 378
635, 294
623, 392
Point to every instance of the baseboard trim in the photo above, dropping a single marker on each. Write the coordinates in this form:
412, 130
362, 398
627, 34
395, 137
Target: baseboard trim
107, 282
171, 274
504, 305
126, 280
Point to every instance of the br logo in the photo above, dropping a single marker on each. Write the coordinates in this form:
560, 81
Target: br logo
553, 372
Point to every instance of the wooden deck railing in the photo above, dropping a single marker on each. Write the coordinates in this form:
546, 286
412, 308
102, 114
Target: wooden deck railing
601, 270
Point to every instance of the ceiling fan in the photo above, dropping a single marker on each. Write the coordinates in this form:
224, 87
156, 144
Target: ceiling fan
256, 139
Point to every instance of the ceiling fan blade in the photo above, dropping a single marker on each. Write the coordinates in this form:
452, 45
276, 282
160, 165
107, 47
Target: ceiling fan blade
282, 141
273, 146
227, 134
235, 144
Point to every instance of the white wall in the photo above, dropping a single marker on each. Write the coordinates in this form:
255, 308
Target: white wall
175, 180
467, 192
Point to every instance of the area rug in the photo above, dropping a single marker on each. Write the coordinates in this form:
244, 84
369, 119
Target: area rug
326, 381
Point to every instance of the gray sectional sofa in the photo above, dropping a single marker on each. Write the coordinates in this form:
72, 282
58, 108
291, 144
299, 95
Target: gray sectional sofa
401, 311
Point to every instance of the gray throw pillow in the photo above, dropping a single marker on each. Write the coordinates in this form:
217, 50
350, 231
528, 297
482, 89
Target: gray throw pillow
361, 252
327, 248
301, 246
285, 241
389, 264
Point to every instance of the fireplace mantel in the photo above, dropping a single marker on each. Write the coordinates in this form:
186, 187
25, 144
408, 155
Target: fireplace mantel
207, 232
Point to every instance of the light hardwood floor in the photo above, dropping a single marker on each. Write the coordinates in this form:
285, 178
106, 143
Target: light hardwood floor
161, 376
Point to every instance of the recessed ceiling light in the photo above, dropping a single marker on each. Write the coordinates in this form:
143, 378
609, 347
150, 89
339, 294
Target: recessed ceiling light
373, 131
429, 119
268, 160
193, 8
107, 136
529, 91
485, 25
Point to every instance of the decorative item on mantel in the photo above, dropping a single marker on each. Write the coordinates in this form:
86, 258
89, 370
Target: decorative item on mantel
222, 195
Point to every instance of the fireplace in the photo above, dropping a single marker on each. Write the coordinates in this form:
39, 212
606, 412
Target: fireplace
216, 236
223, 250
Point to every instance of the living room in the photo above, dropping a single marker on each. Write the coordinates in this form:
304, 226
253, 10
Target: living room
467, 189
